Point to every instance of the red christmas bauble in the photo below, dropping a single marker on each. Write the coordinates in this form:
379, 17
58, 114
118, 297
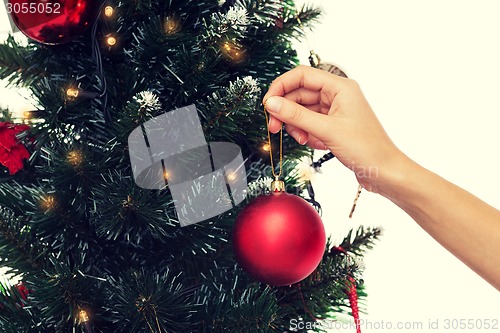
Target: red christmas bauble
279, 239
53, 21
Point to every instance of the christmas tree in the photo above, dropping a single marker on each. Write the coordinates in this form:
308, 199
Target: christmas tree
96, 252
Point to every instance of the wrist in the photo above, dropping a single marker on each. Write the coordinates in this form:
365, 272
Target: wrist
392, 176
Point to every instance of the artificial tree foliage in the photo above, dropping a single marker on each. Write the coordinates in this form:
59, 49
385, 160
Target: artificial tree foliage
78, 231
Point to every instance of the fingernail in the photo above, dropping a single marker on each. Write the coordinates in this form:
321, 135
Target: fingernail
273, 104
296, 135
264, 100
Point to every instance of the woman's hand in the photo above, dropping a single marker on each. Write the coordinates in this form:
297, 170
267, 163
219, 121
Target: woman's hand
326, 111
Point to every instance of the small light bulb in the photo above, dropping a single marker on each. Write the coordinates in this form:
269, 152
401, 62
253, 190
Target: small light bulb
75, 158
48, 202
233, 52
111, 41
166, 175
231, 176
73, 92
84, 317
108, 11
171, 25
266, 147
128, 202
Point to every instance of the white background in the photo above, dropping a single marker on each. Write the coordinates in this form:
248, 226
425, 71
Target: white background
431, 71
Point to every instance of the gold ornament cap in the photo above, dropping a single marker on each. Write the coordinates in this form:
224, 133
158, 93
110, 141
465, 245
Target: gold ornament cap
277, 185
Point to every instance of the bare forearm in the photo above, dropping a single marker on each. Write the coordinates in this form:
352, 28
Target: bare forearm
468, 227
329, 112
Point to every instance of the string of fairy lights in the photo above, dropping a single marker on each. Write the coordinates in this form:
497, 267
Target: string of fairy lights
48, 203
231, 50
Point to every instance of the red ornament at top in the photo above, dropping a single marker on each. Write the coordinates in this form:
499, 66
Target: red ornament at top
53, 21
279, 239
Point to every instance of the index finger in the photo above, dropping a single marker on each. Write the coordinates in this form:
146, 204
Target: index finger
303, 77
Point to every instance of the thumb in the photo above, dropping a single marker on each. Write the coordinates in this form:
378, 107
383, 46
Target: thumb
295, 114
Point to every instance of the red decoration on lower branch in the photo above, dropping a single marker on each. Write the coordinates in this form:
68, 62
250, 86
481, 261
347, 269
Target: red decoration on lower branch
23, 290
12, 152
352, 293
279, 239
21, 295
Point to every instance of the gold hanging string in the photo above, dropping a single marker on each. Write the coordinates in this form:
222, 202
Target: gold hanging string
278, 175
355, 200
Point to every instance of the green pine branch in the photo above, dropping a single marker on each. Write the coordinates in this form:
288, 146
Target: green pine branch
324, 290
158, 300
359, 240
21, 251
104, 245
15, 66
296, 21
5, 115
14, 317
